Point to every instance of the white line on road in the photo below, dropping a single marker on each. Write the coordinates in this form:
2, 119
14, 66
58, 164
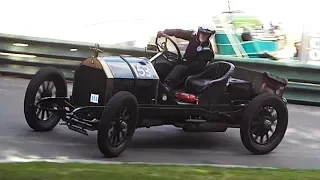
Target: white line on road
17, 159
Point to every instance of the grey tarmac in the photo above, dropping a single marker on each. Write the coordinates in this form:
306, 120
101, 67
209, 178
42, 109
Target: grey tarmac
166, 144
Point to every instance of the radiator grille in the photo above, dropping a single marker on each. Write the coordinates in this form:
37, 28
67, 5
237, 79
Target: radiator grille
87, 81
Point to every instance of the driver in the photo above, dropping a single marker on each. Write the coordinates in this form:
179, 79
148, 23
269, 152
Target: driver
196, 54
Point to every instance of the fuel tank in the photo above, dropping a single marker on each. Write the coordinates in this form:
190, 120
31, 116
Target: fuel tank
97, 79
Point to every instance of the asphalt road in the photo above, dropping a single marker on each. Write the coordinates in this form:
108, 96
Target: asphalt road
299, 149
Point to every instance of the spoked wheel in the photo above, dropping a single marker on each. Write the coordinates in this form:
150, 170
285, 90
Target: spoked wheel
47, 82
117, 124
118, 128
46, 89
264, 123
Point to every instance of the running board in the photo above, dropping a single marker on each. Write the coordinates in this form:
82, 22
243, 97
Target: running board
196, 120
206, 127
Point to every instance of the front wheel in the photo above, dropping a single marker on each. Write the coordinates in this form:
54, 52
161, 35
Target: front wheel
264, 123
47, 82
118, 123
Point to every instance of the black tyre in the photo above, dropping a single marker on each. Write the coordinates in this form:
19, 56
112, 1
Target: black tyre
257, 130
118, 123
47, 82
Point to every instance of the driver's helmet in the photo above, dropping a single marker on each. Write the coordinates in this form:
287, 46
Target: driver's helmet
207, 29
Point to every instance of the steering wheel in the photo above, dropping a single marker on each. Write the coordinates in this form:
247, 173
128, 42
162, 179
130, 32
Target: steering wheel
170, 56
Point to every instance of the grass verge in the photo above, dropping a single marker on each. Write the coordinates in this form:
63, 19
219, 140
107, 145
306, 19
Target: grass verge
79, 171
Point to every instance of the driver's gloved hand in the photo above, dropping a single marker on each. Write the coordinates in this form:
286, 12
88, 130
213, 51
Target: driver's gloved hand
160, 34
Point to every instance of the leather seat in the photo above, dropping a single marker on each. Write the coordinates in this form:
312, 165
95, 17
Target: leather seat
214, 75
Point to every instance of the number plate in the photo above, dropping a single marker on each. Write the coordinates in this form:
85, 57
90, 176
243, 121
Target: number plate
94, 98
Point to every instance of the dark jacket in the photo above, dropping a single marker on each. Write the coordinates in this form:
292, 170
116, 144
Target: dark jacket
192, 55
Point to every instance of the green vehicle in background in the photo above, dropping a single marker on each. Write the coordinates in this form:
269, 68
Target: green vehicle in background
239, 19
243, 35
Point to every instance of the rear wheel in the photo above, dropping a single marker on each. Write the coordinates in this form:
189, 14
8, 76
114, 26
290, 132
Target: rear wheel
47, 82
117, 124
264, 123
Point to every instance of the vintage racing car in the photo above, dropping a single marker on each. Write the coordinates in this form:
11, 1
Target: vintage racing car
115, 95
